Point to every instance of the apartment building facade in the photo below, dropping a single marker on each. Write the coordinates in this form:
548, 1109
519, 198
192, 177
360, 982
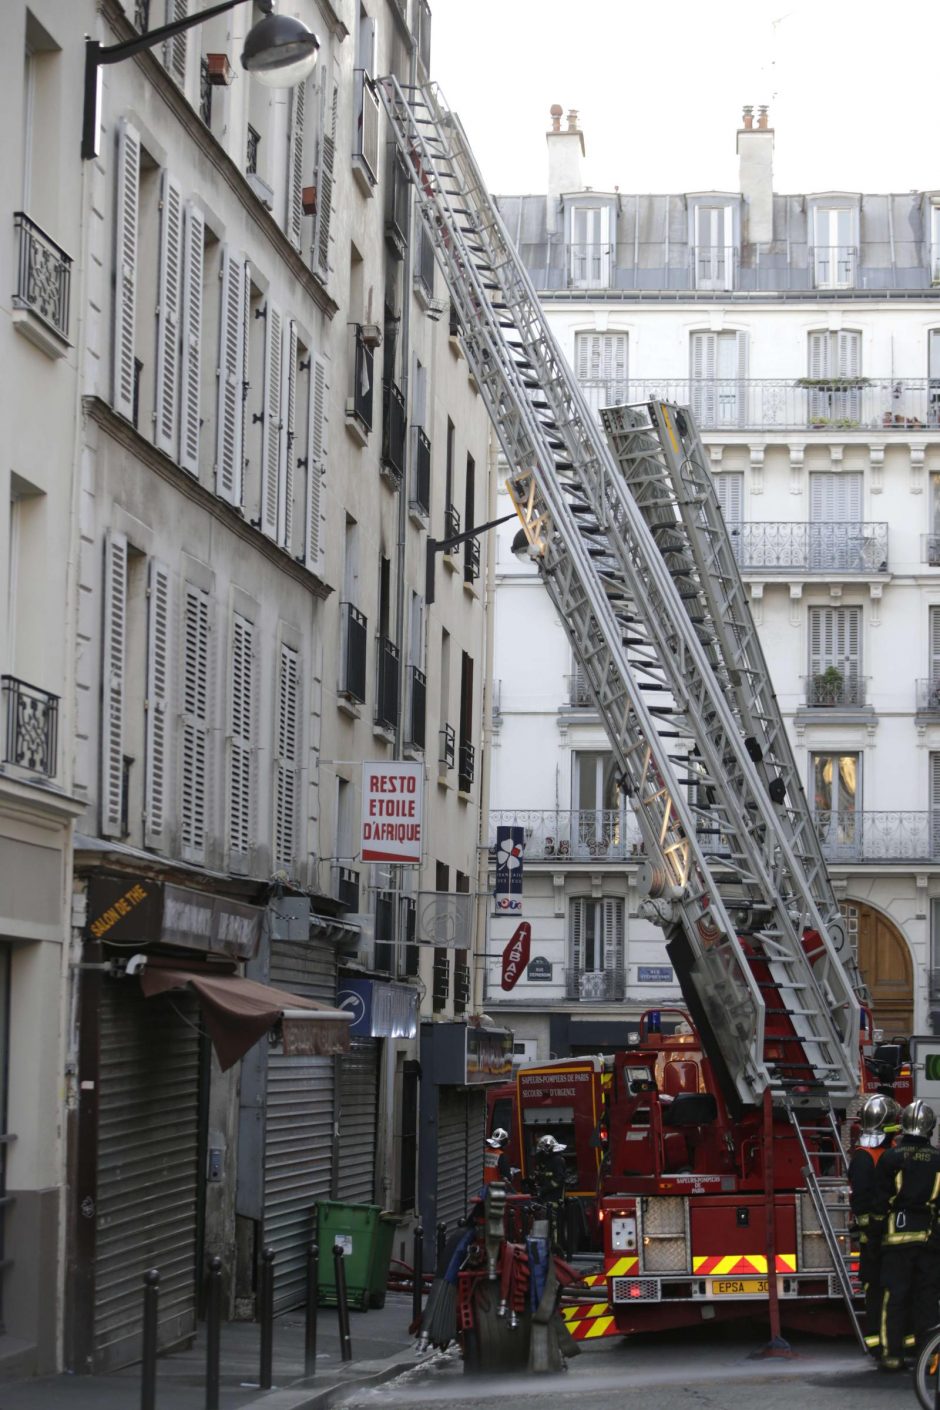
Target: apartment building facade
804, 332
261, 417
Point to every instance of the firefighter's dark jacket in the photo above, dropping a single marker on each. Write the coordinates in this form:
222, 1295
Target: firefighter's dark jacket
550, 1177
907, 1192
861, 1174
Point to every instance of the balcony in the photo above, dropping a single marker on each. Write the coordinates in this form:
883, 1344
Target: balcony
879, 837
834, 266
466, 764
575, 836
451, 521
595, 986
387, 673
417, 708
393, 433
461, 988
419, 504
834, 689
366, 132
827, 547
931, 550
928, 696
43, 282
447, 747
353, 647
714, 266
396, 202
345, 884
30, 736
891, 406
359, 404
579, 693
471, 560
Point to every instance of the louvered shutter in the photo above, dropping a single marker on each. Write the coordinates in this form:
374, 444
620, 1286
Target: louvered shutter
820, 639
704, 359
577, 936
195, 757
285, 781
271, 438
113, 675
326, 155
166, 388
850, 630
126, 219
240, 759
295, 166
157, 741
613, 935
584, 355
245, 365
849, 354
228, 455
288, 454
822, 497
316, 459
934, 649
819, 355
729, 487
174, 48
191, 313
935, 786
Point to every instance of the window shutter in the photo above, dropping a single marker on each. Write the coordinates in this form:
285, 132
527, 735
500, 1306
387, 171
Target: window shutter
157, 739
112, 676
820, 638
245, 365
271, 428
316, 459
240, 759
191, 368
295, 166
577, 935
729, 487
850, 626
285, 794
934, 785
324, 183
228, 455
934, 645
125, 271
288, 454
174, 49
194, 809
822, 497
933, 357
819, 355
166, 392
849, 354
613, 934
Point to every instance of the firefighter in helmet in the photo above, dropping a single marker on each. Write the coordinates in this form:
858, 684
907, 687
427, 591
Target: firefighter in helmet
549, 1179
497, 1165
878, 1119
907, 1196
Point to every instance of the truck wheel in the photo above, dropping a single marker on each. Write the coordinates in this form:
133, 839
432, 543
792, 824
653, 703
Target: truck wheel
492, 1346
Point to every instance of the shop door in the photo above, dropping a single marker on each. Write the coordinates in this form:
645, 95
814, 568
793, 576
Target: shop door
298, 1144
460, 1135
358, 1089
147, 1167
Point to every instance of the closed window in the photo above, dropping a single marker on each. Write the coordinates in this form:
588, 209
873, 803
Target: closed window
933, 376
590, 250
836, 531
835, 666
714, 247
935, 244
834, 248
834, 378
836, 784
601, 367
596, 948
718, 367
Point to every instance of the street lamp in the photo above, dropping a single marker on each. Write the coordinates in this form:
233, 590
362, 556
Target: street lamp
434, 546
279, 51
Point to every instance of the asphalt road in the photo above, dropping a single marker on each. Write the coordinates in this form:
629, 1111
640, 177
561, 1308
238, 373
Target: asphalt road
708, 1370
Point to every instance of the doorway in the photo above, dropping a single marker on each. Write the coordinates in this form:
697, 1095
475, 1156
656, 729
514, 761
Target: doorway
885, 962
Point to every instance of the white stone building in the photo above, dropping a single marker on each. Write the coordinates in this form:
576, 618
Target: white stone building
804, 331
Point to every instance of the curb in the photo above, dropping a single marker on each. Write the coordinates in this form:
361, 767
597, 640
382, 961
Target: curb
301, 1395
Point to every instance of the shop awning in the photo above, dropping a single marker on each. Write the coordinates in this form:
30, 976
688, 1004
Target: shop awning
239, 1011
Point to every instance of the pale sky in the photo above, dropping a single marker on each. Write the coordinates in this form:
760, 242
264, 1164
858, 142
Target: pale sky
852, 89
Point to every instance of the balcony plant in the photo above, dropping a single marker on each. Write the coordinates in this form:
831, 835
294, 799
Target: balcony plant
827, 687
832, 384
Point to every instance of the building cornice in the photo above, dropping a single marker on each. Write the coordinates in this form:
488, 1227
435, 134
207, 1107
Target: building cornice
211, 149
123, 433
28, 801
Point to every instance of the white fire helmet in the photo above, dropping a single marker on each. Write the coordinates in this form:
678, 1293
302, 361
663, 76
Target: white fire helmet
549, 1146
498, 1139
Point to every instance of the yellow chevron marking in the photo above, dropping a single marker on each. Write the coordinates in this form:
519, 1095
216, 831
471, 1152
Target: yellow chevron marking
623, 1265
599, 1327
585, 1311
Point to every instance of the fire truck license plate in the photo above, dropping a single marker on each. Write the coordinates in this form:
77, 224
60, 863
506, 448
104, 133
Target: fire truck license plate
738, 1287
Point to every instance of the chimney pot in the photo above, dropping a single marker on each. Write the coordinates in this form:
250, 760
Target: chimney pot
762, 118
572, 120
748, 118
556, 111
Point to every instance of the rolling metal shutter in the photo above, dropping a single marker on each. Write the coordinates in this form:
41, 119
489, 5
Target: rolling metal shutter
298, 1143
358, 1085
460, 1133
148, 1175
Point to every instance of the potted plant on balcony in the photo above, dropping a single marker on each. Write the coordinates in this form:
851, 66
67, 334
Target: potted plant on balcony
827, 687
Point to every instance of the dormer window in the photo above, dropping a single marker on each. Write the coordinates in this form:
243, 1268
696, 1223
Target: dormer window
935, 244
835, 247
591, 246
714, 247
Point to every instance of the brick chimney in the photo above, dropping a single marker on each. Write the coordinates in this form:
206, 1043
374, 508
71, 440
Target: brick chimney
565, 150
755, 165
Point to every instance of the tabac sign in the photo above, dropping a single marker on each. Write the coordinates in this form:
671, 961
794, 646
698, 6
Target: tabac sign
392, 811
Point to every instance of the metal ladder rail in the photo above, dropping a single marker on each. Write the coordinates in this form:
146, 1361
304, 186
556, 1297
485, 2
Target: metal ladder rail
515, 428
837, 1237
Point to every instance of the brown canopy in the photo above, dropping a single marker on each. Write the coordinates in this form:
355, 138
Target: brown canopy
240, 1011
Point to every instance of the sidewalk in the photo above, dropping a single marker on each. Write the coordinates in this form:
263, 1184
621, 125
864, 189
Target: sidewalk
381, 1349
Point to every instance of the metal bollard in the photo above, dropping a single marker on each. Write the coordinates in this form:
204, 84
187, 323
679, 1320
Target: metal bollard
342, 1305
441, 1244
417, 1258
266, 1300
310, 1324
213, 1333
148, 1360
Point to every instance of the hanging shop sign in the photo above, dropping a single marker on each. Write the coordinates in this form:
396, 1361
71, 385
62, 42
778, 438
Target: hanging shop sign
142, 912
462, 1055
516, 955
510, 854
379, 1010
392, 809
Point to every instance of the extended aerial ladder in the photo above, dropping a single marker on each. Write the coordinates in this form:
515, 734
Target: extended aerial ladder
728, 853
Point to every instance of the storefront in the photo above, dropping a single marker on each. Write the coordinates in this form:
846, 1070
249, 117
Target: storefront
458, 1062
165, 1019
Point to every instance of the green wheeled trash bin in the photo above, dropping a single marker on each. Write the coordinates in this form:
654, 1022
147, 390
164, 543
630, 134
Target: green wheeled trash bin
366, 1236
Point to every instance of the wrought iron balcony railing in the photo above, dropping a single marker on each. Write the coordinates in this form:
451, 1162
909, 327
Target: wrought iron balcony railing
366, 129
440, 981
471, 560
30, 737
823, 547
576, 835
595, 986
714, 266
387, 673
451, 521
447, 746
360, 402
393, 432
420, 502
353, 648
579, 694
417, 707
590, 265
891, 405
44, 275
396, 200
834, 266
466, 765
928, 696
872, 837
834, 688
461, 987
345, 882
931, 550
